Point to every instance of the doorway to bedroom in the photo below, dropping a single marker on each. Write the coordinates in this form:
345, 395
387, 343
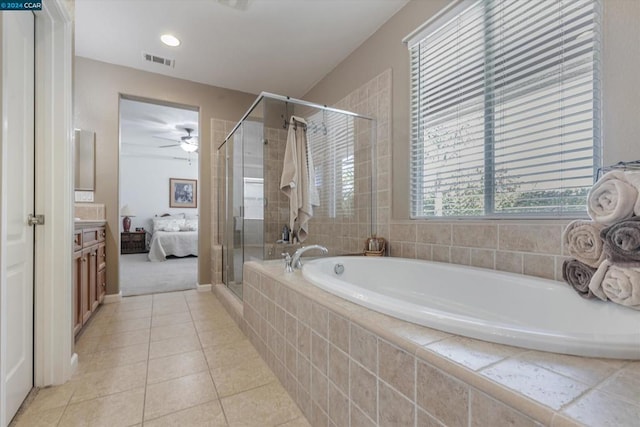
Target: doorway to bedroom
158, 185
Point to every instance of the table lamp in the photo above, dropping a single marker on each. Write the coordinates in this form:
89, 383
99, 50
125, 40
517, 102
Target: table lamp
126, 212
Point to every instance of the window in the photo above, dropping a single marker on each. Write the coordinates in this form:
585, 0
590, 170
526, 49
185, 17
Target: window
505, 109
253, 198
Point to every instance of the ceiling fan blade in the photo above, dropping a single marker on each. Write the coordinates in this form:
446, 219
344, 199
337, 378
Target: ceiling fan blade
166, 137
171, 145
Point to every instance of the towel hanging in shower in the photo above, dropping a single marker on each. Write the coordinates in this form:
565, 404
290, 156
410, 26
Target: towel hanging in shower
298, 178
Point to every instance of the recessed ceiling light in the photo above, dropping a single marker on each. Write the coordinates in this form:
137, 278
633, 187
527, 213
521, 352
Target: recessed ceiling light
170, 40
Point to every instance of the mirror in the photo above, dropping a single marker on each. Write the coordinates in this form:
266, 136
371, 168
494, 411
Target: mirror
84, 159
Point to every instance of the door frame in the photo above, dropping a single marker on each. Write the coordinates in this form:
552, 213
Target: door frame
167, 103
54, 360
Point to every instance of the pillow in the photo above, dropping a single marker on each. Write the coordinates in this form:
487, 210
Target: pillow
172, 228
161, 224
162, 218
191, 224
173, 216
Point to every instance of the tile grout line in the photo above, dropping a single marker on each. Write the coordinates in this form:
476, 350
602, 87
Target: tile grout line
66, 407
146, 377
215, 388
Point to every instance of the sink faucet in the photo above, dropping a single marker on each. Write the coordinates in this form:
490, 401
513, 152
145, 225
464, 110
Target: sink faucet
295, 260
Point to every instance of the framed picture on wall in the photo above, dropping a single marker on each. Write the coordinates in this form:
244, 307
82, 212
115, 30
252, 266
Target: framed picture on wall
183, 193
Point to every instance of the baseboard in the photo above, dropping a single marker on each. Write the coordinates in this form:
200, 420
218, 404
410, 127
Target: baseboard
231, 303
109, 299
203, 288
73, 364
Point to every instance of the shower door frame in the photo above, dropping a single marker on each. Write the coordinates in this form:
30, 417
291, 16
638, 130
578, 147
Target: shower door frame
286, 99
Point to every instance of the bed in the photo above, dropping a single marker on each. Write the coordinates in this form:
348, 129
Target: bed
173, 236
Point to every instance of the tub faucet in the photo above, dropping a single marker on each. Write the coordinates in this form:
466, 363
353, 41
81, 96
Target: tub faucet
295, 261
287, 263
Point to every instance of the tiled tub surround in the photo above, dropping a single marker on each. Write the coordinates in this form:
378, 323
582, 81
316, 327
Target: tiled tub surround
530, 247
347, 365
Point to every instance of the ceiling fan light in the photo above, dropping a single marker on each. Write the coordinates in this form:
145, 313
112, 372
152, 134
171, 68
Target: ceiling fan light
170, 40
188, 147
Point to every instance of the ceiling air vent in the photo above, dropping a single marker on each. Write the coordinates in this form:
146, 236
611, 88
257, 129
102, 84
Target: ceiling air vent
158, 59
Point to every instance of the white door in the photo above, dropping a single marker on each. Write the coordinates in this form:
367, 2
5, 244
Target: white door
17, 202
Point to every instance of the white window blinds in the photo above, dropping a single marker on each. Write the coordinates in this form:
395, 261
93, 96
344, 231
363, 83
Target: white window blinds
505, 109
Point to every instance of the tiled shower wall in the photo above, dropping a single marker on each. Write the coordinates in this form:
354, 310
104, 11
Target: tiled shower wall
276, 213
374, 99
344, 230
342, 233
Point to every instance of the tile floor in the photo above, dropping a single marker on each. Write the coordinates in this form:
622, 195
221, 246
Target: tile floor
174, 359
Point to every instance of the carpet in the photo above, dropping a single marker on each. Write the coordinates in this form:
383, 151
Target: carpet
139, 276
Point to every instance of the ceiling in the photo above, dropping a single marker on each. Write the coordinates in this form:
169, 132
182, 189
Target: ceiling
154, 130
279, 46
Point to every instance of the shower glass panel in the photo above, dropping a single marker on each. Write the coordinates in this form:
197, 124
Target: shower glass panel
243, 238
341, 147
233, 230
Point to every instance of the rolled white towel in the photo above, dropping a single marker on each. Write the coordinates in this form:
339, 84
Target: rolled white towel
582, 240
612, 198
634, 179
617, 284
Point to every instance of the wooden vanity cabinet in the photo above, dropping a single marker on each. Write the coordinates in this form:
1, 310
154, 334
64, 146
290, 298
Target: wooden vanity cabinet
101, 285
89, 265
79, 272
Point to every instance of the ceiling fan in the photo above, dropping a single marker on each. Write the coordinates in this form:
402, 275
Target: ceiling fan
188, 142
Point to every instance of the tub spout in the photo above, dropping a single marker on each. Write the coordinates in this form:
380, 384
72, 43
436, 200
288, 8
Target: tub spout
295, 260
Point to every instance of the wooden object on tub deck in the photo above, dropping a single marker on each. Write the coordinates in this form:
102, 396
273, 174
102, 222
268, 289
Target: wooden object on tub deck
375, 242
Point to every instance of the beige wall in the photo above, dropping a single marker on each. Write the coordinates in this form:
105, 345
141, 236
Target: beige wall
621, 80
97, 89
384, 49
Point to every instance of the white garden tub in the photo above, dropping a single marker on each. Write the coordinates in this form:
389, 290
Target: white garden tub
493, 306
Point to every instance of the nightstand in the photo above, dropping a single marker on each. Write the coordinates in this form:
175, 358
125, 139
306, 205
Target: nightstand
133, 242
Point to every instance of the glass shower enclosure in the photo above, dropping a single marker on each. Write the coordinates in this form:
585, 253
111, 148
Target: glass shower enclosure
254, 212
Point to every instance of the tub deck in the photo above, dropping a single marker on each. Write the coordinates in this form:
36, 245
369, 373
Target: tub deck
328, 352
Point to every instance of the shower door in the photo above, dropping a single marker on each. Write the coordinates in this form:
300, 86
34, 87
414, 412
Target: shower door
253, 190
232, 247
244, 202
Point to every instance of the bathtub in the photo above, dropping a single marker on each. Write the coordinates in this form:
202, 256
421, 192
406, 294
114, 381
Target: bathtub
478, 303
